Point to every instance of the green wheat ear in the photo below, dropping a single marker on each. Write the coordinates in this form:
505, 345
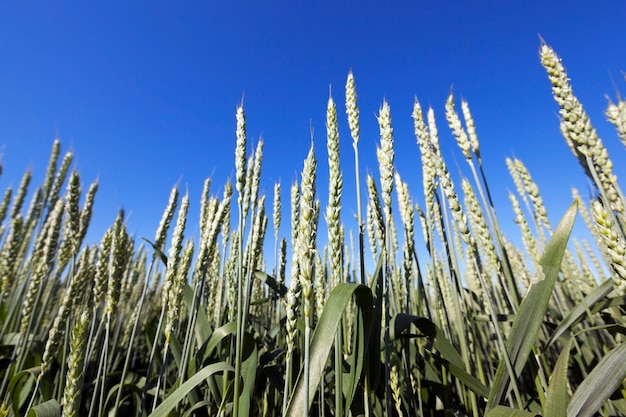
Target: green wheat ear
335, 189
579, 133
75, 365
613, 244
616, 114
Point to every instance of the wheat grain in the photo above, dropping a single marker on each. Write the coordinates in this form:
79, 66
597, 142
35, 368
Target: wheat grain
588, 282
457, 129
408, 220
594, 260
295, 217
335, 188
479, 225
256, 175
22, 190
87, 211
248, 188
613, 245
616, 114
471, 129
43, 267
276, 219
429, 169
385, 154
72, 210
204, 205
372, 229
208, 240
176, 290
120, 253
517, 180
4, 205
74, 379
72, 295
530, 244
309, 212
307, 230
579, 133
453, 199
258, 234
172, 287
166, 219
101, 270
541, 214
395, 388
240, 152
59, 179
174, 253
352, 110
8, 255
321, 282
375, 211
52, 167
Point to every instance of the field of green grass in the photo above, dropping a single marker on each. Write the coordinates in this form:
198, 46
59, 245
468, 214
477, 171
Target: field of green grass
176, 326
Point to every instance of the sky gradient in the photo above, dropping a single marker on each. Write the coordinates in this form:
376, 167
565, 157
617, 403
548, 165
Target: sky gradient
144, 93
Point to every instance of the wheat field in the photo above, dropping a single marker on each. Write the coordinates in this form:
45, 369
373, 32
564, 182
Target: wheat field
215, 326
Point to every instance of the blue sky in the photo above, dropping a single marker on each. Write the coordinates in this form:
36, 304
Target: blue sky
145, 92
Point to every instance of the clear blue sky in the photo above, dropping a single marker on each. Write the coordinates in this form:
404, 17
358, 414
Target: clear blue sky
145, 92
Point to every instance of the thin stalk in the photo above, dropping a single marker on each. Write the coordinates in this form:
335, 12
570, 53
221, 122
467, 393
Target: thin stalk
460, 308
501, 345
307, 360
191, 325
132, 338
239, 335
387, 336
161, 378
485, 195
338, 373
288, 381
97, 399
353, 118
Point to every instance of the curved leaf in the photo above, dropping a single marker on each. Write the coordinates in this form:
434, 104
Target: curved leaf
373, 364
248, 372
181, 392
579, 311
17, 391
598, 386
203, 327
219, 334
158, 252
556, 397
322, 340
50, 408
271, 282
532, 309
502, 411
449, 357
